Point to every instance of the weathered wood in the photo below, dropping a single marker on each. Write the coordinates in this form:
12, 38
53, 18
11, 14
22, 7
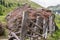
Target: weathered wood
45, 28
14, 35
53, 29
53, 19
20, 21
36, 28
35, 24
23, 26
50, 24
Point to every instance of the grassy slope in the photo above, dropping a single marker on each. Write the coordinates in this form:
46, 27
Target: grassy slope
15, 2
57, 33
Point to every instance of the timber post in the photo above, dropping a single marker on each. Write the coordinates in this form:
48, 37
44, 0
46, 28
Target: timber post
50, 24
45, 28
36, 28
23, 26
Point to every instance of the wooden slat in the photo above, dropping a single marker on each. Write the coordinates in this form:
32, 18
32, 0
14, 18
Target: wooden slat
23, 26
14, 35
50, 24
35, 24
36, 28
45, 28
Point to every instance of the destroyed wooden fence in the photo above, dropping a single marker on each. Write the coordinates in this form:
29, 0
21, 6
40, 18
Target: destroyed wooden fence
35, 30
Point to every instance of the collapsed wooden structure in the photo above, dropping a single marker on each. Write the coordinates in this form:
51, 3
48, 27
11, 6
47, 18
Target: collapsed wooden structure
28, 23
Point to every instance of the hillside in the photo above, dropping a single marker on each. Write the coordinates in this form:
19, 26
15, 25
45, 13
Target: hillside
8, 5
55, 8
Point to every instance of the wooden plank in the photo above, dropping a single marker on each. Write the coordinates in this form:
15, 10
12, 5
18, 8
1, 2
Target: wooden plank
53, 18
45, 28
53, 27
36, 28
35, 24
14, 35
23, 26
50, 24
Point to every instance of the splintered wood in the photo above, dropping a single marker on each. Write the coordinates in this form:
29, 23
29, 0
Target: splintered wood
28, 23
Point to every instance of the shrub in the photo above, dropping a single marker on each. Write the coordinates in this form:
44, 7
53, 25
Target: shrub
2, 31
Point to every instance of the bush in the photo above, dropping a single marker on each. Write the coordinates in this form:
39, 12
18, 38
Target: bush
2, 9
2, 31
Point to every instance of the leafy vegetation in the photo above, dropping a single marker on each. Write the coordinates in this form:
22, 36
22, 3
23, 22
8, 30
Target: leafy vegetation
57, 20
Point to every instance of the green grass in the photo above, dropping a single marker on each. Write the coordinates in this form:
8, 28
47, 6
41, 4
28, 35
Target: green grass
57, 20
55, 36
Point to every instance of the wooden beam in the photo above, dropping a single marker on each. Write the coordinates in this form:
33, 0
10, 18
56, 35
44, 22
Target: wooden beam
36, 28
35, 24
50, 24
45, 28
14, 35
23, 26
